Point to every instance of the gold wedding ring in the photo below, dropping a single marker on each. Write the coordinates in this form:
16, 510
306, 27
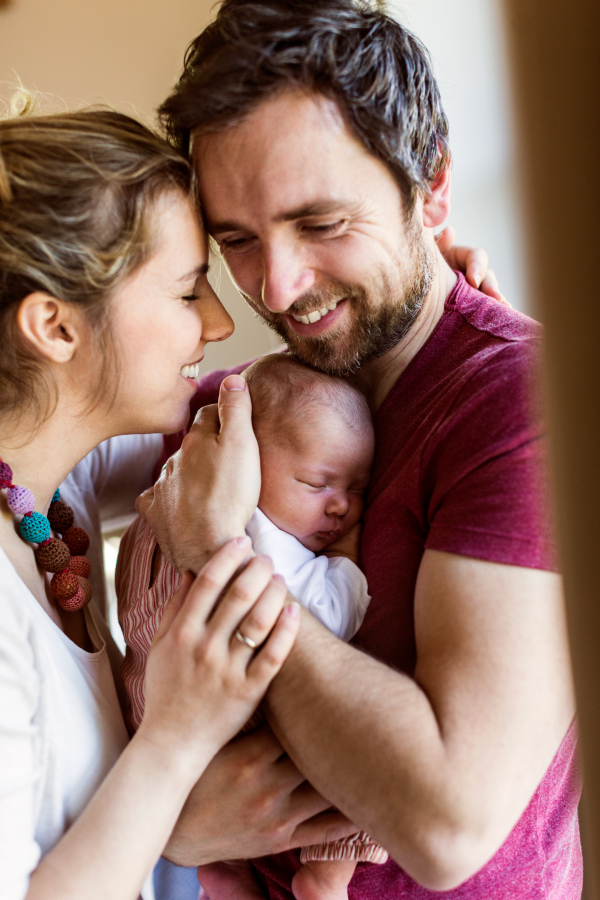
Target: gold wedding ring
245, 640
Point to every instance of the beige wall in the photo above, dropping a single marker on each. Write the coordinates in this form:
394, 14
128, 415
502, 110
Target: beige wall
126, 53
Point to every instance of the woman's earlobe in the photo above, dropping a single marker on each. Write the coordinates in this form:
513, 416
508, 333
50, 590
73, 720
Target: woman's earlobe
50, 326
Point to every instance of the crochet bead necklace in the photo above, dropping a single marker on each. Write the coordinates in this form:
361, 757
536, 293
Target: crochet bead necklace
64, 558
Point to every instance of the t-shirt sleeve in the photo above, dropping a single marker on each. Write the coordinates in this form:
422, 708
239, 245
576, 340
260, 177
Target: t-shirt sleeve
119, 469
19, 774
485, 469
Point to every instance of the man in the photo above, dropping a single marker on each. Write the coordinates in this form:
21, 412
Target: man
321, 152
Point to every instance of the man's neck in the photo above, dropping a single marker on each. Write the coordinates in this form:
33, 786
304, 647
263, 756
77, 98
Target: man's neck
376, 379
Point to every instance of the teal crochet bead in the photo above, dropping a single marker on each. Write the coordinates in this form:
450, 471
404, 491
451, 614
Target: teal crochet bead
35, 528
55, 496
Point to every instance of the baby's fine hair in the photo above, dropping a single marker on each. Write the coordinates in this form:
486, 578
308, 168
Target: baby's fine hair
282, 387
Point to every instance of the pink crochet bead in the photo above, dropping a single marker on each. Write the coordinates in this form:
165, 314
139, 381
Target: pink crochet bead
6, 474
20, 500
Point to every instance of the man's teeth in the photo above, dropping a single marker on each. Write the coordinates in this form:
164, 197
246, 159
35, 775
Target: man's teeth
317, 314
191, 371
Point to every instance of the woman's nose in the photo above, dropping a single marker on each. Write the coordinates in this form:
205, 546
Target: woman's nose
217, 324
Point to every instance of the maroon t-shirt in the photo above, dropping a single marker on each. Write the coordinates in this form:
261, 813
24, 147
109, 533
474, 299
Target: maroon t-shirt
459, 467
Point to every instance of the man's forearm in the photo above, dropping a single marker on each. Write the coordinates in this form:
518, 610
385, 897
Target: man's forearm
437, 790
360, 745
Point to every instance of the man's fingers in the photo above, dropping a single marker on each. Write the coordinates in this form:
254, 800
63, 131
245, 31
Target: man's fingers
326, 826
235, 406
144, 502
264, 743
306, 802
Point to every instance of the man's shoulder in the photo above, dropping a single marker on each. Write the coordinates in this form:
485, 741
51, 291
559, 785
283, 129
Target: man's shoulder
489, 318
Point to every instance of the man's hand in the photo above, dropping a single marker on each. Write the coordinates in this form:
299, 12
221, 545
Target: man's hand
472, 261
250, 802
209, 489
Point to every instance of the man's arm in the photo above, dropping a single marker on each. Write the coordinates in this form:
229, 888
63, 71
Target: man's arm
440, 768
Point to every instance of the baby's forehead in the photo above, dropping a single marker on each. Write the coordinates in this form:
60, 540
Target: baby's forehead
315, 432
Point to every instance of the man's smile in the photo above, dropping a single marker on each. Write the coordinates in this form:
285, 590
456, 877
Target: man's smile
317, 322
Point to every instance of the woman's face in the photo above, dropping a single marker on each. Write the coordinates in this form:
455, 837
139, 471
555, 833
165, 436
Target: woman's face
163, 316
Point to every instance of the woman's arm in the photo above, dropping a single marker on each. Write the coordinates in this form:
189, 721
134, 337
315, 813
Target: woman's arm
201, 686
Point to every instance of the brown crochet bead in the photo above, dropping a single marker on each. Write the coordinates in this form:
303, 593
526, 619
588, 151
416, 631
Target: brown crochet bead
77, 541
64, 585
72, 604
81, 566
60, 516
53, 556
87, 588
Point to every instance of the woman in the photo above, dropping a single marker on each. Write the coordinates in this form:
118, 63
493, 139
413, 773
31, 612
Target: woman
105, 310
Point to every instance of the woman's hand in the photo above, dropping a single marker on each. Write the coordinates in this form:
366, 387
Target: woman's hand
209, 489
203, 682
472, 261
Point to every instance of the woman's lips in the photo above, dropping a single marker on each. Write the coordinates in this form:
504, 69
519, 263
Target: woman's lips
315, 328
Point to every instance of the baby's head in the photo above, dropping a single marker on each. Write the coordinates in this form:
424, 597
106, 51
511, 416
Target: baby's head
316, 442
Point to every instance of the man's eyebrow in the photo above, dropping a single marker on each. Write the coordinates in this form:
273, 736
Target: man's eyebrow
315, 208
195, 273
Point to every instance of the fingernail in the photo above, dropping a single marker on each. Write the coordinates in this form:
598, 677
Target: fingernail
242, 541
293, 610
278, 577
266, 557
234, 383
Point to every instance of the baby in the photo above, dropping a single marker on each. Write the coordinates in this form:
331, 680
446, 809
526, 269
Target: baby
316, 443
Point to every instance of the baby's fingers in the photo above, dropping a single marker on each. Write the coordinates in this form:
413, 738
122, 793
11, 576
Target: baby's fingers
269, 659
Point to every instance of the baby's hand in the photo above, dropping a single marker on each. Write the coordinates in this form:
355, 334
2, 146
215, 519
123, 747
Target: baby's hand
202, 681
348, 545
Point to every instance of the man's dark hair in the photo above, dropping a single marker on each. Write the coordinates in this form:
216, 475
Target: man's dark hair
349, 51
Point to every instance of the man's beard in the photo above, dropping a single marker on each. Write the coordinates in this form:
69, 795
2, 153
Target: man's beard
378, 324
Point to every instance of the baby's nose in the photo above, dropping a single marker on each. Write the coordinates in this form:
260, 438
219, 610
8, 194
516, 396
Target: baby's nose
337, 505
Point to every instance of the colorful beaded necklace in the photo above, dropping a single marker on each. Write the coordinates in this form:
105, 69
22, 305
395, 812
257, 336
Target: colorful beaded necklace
65, 558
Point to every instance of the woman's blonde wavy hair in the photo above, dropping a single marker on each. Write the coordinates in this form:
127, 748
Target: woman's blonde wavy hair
75, 190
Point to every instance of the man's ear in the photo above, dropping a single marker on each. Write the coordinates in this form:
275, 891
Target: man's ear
436, 204
51, 326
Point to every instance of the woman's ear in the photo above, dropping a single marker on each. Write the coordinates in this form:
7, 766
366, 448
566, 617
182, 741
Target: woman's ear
436, 204
51, 326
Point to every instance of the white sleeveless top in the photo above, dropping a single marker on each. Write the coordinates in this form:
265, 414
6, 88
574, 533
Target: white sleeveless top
61, 726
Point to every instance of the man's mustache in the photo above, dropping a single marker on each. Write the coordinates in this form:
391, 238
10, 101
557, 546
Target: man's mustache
312, 300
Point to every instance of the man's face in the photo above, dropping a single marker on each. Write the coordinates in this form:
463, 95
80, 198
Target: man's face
312, 229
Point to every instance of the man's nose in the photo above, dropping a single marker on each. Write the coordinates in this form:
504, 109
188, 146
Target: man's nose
287, 276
